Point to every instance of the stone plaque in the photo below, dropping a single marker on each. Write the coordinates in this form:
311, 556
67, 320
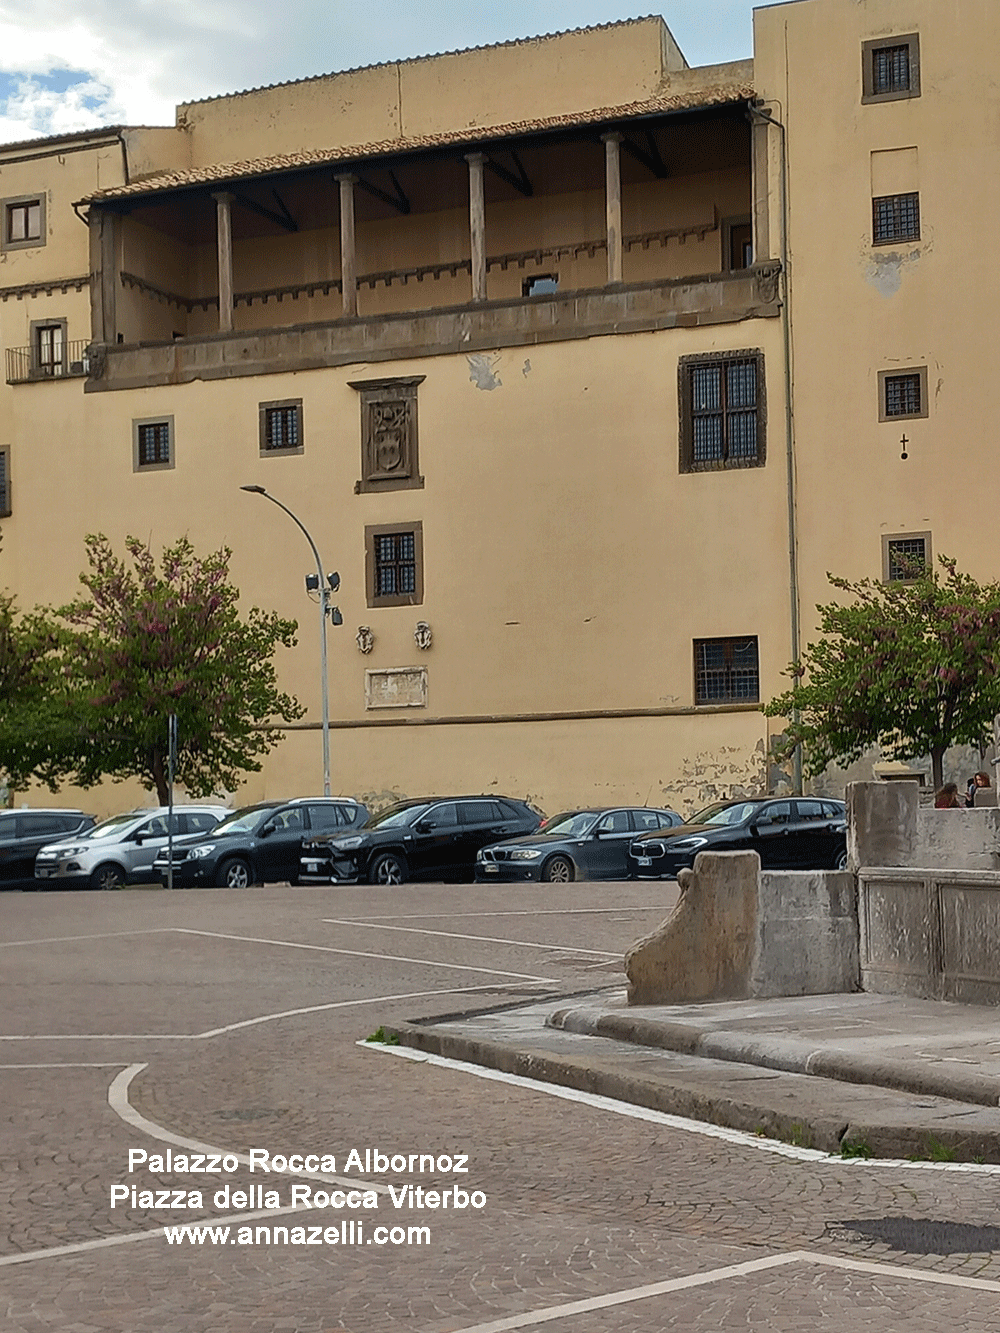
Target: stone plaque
396, 687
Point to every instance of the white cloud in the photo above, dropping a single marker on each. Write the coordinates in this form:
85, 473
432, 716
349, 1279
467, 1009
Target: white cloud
139, 67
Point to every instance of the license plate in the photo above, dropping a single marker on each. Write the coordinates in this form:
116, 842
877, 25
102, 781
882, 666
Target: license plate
644, 860
312, 867
491, 868
43, 872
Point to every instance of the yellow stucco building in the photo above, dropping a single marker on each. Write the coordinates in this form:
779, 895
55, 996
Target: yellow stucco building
580, 365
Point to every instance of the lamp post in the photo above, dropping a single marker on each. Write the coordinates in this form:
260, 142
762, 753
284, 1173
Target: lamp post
323, 607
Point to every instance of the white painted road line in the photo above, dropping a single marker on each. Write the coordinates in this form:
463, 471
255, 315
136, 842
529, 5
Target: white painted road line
737, 1137
358, 953
479, 939
70, 939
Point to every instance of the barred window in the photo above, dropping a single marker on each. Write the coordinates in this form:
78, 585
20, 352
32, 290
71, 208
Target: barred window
896, 218
726, 671
722, 412
394, 565
281, 427
902, 395
890, 69
905, 556
152, 443
4, 480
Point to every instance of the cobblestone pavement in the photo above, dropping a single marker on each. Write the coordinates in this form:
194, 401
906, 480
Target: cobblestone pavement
148, 1021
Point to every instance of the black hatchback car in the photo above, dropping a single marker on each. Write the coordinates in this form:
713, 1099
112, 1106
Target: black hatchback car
580, 844
23, 834
433, 838
260, 844
788, 833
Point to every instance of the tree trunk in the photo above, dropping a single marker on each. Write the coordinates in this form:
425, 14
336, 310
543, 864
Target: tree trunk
160, 777
937, 766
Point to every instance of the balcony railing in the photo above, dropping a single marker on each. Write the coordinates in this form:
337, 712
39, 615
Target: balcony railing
65, 360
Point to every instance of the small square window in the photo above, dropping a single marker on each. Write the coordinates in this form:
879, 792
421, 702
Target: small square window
388, 434
890, 69
5, 508
726, 671
394, 574
905, 555
281, 427
542, 284
22, 223
902, 394
152, 444
721, 411
896, 217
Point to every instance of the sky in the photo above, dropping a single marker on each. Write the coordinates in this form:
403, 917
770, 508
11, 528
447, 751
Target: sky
75, 64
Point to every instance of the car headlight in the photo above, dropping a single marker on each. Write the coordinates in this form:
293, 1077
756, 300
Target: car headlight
346, 844
685, 844
55, 852
199, 853
524, 854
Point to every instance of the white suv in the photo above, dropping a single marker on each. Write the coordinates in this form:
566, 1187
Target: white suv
120, 850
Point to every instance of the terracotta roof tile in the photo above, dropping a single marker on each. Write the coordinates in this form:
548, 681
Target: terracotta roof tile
217, 173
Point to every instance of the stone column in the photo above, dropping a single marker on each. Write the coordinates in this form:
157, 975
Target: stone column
103, 276
348, 250
477, 224
760, 172
613, 199
224, 229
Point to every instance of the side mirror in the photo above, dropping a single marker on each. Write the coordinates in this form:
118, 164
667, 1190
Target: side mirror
422, 826
266, 831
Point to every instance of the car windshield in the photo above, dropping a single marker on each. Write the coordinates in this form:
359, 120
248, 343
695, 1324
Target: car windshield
724, 813
397, 815
109, 828
570, 824
241, 821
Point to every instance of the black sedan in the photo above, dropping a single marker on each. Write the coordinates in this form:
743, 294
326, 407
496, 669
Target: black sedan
788, 833
260, 844
432, 838
580, 844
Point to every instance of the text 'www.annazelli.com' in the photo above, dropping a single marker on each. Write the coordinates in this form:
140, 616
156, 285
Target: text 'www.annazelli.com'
348, 1233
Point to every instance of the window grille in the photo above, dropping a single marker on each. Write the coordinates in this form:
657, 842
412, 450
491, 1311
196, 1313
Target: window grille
890, 69
896, 218
395, 564
4, 482
907, 557
726, 671
721, 419
154, 443
281, 427
902, 396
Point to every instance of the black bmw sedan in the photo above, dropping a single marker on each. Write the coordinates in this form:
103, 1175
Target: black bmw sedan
788, 833
579, 844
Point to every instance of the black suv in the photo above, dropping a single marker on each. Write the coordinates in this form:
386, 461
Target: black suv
260, 844
433, 838
23, 834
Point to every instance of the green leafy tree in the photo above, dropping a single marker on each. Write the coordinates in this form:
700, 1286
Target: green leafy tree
912, 666
148, 642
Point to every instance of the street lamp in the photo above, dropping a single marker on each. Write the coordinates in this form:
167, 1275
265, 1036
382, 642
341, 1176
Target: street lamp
324, 584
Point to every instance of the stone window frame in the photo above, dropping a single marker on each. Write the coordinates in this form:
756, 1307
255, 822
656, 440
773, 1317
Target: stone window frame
889, 537
12, 201
686, 460
34, 331
868, 49
883, 378
373, 530
6, 508
263, 409
137, 422
394, 389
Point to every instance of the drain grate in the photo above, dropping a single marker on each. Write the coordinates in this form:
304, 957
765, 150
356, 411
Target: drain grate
918, 1235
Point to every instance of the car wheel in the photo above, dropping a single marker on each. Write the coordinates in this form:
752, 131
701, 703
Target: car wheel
107, 876
388, 868
558, 871
234, 874
840, 862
